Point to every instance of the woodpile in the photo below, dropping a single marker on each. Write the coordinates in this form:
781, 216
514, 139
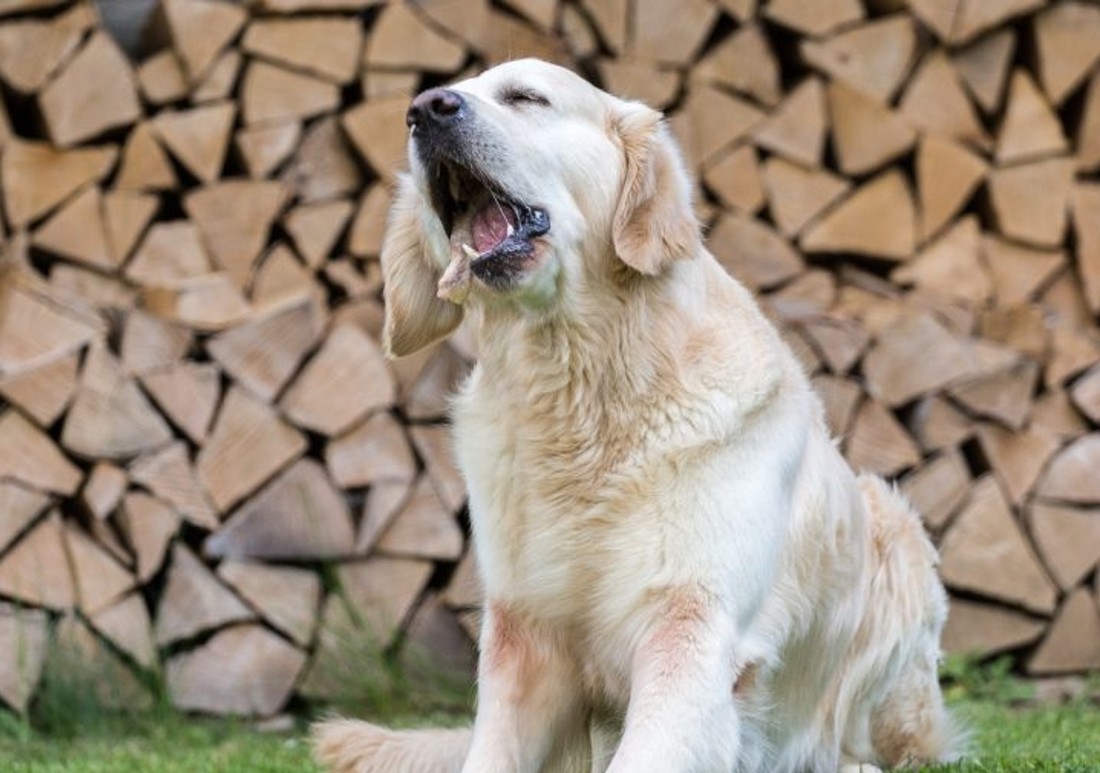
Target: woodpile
209, 471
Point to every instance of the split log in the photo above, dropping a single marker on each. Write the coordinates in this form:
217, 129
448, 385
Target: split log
878, 220
326, 46
814, 19
300, 515
753, 253
429, 397
77, 231
1019, 272
1088, 129
168, 473
744, 62
612, 17
148, 525
37, 177
234, 218
951, 266
796, 128
375, 451
221, 81
127, 625
935, 102
29, 456
126, 215
879, 443
316, 228
1086, 221
200, 30
264, 353
433, 443
377, 130
36, 570
642, 80
324, 166
976, 18
110, 418
983, 67
32, 50
248, 445
194, 601
271, 93
840, 396
94, 93
672, 34
947, 176
1004, 396
43, 392
384, 501
973, 627
437, 641
144, 166
198, 138
206, 303
1031, 201
188, 394
1068, 539
711, 120
24, 642
19, 507
797, 195
873, 58
1067, 39
1085, 394
1030, 129
1071, 476
425, 528
345, 380
938, 488
162, 79
103, 489
170, 253
866, 133
150, 343
97, 578
1073, 641
465, 588
402, 40
938, 424
1017, 458
263, 148
245, 670
286, 597
983, 539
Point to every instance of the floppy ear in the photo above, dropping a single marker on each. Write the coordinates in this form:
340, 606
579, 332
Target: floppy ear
654, 223
415, 317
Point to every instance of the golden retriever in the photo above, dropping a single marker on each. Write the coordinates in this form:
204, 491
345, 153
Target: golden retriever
682, 574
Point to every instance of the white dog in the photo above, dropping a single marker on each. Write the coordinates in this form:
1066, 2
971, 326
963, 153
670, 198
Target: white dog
682, 574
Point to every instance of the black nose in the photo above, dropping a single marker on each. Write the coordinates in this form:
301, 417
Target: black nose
437, 107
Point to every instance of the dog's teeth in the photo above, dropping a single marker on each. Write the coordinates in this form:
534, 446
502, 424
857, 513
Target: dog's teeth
470, 252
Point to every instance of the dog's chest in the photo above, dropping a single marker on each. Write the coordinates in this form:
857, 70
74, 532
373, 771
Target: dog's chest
552, 507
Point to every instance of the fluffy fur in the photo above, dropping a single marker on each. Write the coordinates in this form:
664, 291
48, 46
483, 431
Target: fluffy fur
682, 573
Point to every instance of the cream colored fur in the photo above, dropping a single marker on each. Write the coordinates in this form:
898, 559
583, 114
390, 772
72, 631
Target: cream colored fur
682, 573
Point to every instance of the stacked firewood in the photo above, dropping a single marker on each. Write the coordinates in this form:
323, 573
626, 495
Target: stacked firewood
210, 475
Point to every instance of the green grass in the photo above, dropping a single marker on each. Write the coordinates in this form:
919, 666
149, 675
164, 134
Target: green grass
1007, 740
68, 732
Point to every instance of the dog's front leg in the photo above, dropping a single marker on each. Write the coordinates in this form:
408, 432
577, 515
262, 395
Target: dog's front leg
527, 696
682, 716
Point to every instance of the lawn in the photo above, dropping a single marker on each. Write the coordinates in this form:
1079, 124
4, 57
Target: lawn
1063, 738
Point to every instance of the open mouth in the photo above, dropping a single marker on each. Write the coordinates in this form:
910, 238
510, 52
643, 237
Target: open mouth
490, 231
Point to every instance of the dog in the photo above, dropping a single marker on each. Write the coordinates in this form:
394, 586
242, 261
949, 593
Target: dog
682, 573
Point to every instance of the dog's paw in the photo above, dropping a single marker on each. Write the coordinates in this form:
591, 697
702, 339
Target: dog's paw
859, 767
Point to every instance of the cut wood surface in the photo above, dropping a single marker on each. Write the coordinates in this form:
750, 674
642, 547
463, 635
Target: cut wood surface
191, 306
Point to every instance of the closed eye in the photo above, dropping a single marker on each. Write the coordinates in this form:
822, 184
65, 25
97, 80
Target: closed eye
518, 97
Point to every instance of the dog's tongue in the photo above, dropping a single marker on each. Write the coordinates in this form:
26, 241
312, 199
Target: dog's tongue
490, 226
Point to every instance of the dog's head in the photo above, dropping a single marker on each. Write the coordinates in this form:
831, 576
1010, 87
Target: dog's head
526, 182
